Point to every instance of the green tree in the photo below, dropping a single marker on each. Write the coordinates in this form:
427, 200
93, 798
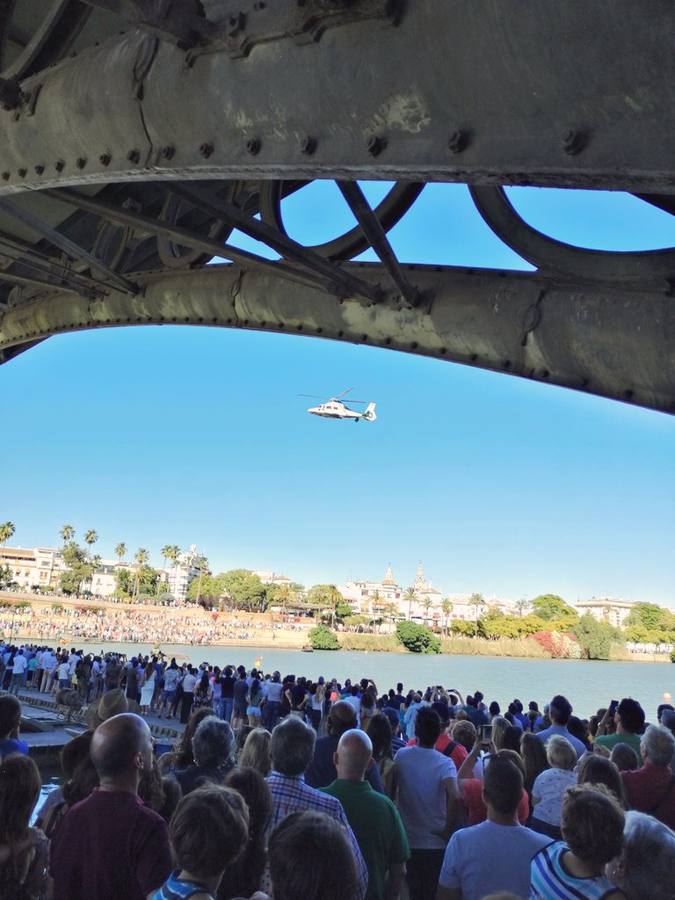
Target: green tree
417, 638
522, 606
67, 533
650, 616
120, 551
426, 605
410, 597
595, 638
78, 568
551, 606
165, 551
672, 656
245, 590
322, 638
7, 529
463, 628
90, 537
6, 577
325, 597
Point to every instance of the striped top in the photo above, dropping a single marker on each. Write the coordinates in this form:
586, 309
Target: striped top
550, 881
173, 889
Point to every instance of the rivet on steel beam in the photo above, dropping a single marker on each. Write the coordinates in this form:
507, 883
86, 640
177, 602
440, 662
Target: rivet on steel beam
168, 152
308, 145
458, 141
134, 156
573, 142
376, 145
206, 150
81, 162
23, 173
105, 159
39, 170
253, 146
59, 165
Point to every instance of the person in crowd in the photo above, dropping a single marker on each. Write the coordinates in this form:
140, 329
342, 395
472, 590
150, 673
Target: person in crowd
533, 754
82, 781
471, 787
188, 684
395, 722
595, 769
72, 754
24, 851
87, 851
379, 732
368, 706
240, 741
19, 669
239, 694
10, 726
182, 756
132, 678
148, 682
321, 770
592, 830
464, 732
560, 710
499, 726
645, 867
410, 715
208, 831
272, 705
112, 703
446, 743
213, 749
312, 835
257, 752
624, 757
426, 785
203, 692
629, 720
372, 816
579, 729
511, 739
651, 788
244, 875
292, 750
168, 695
494, 855
254, 700
549, 787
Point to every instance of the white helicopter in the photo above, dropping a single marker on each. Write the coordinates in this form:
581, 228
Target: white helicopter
336, 409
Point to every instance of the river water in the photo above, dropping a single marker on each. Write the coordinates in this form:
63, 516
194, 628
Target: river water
588, 685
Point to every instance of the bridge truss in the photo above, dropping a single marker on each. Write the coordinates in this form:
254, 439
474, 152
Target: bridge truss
137, 135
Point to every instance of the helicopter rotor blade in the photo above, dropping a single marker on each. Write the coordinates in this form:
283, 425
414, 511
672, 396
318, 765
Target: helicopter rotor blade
311, 396
344, 393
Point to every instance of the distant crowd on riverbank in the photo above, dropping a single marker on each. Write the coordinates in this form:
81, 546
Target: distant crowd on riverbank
290, 787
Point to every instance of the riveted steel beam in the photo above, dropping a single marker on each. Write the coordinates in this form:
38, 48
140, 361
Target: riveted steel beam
616, 343
520, 91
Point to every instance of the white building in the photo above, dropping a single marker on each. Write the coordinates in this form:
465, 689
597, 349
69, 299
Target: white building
37, 567
371, 597
606, 609
275, 578
180, 576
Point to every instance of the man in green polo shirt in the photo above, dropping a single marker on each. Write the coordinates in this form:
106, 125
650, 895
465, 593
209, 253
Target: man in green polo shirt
373, 817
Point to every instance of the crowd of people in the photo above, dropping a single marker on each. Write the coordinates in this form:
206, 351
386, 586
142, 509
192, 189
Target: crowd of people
151, 626
287, 787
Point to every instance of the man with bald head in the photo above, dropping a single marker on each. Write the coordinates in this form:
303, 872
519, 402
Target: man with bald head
321, 771
111, 845
373, 817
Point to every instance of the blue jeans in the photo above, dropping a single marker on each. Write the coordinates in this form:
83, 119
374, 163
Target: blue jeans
227, 704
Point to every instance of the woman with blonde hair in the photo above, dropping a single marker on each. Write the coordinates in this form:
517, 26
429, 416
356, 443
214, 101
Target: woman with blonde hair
256, 753
549, 787
499, 726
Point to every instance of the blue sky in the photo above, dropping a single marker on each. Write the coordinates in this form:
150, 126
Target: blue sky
188, 435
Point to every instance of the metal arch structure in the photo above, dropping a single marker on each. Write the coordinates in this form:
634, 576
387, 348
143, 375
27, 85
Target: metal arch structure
137, 135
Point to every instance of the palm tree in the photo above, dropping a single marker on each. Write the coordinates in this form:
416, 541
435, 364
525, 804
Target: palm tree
121, 550
90, 537
411, 596
446, 607
166, 553
67, 533
477, 600
7, 529
172, 552
141, 559
426, 603
200, 563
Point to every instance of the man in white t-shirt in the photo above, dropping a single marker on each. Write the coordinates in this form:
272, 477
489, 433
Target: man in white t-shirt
427, 801
495, 855
18, 672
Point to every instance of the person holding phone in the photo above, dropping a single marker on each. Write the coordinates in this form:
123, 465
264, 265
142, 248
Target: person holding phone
629, 718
